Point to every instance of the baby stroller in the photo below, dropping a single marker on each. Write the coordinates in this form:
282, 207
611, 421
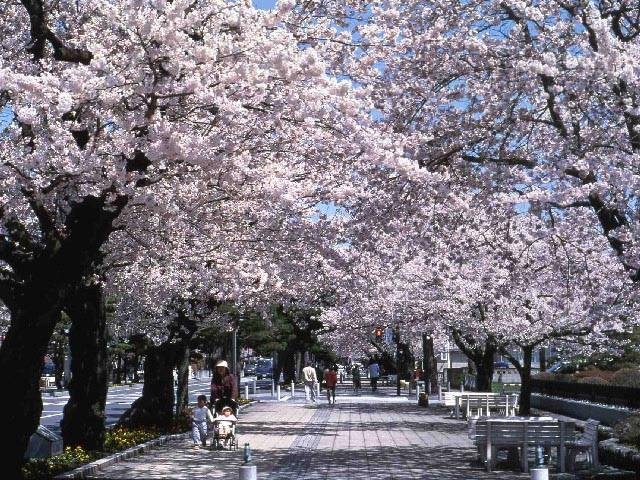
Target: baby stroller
224, 425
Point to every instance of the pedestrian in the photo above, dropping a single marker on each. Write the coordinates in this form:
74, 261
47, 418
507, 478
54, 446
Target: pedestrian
357, 385
374, 374
201, 417
310, 380
224, 388
331, 379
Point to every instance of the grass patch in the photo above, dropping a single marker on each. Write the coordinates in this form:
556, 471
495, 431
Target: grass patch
497, 387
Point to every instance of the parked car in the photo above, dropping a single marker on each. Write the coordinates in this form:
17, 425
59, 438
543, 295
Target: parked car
502, 364
249, 369
563, 367
48, 368
264, 368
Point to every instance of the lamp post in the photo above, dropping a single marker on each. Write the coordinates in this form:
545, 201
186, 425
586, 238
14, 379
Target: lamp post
397, 335
234, 352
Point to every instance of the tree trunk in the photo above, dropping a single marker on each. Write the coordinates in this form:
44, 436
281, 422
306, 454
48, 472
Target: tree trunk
288, 365
525, 379
429, 365
21, 359
136, 367
156, 406
182, 395
118, 377
543, 359
41, 282
482, 356
84, 414
59, 364
484, 368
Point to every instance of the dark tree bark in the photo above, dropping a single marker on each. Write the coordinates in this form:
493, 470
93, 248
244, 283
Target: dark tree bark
429, 365
481, 354
58, 361
525, 386
118, 370
524, 369
543, 359
43, 271
182, 393
484, 369
287, 364
84, 414
155, 407
21, 360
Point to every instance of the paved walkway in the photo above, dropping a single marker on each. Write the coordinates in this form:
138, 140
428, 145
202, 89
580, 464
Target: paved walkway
360, 437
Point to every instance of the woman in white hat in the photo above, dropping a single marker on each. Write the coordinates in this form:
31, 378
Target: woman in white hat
224, 388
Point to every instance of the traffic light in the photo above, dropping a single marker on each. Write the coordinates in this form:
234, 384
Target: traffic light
378, 333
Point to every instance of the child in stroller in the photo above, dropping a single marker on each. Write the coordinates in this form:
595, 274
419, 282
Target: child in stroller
224, 427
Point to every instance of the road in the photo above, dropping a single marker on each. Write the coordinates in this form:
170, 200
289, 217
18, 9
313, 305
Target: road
120, 398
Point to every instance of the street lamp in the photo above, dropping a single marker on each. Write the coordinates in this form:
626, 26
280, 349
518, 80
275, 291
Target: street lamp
397, 339
234, 351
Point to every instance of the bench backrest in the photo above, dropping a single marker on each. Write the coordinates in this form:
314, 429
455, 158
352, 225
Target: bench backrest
450, 397
535, 432
492, 401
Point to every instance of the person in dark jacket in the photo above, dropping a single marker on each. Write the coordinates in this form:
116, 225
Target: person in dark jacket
224, 388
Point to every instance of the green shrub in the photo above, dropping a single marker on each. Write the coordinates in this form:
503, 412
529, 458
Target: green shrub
628, 430
43, 468
593, 380
626, 377
545, 376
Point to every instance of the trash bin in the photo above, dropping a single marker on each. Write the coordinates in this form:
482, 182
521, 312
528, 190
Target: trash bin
423, 400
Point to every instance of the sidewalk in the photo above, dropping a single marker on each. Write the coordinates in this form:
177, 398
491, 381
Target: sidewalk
372, 437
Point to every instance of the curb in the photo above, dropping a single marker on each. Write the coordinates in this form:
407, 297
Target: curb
94, 467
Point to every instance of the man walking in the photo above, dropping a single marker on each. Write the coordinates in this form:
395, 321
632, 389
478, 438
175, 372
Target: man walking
374, 373
310, 379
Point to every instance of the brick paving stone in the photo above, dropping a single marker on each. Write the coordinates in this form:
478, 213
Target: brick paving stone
366, 437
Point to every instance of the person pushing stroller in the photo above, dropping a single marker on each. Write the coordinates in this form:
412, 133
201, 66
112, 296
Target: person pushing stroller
224, 389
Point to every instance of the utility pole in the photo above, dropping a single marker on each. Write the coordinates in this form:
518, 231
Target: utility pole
398, 360
234, 353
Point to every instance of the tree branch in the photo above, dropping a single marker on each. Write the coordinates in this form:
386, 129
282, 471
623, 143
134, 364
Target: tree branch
41, 33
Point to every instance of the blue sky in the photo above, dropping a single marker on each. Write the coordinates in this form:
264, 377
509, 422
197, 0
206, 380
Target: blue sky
264, 4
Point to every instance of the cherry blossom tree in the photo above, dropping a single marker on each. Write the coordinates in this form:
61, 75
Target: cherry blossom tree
124, 107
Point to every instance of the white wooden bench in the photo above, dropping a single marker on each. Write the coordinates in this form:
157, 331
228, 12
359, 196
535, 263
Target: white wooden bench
505, 405
449, 398
453, 400
47, 381
524, 433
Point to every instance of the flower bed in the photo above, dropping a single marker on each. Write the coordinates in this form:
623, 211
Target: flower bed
117, 439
